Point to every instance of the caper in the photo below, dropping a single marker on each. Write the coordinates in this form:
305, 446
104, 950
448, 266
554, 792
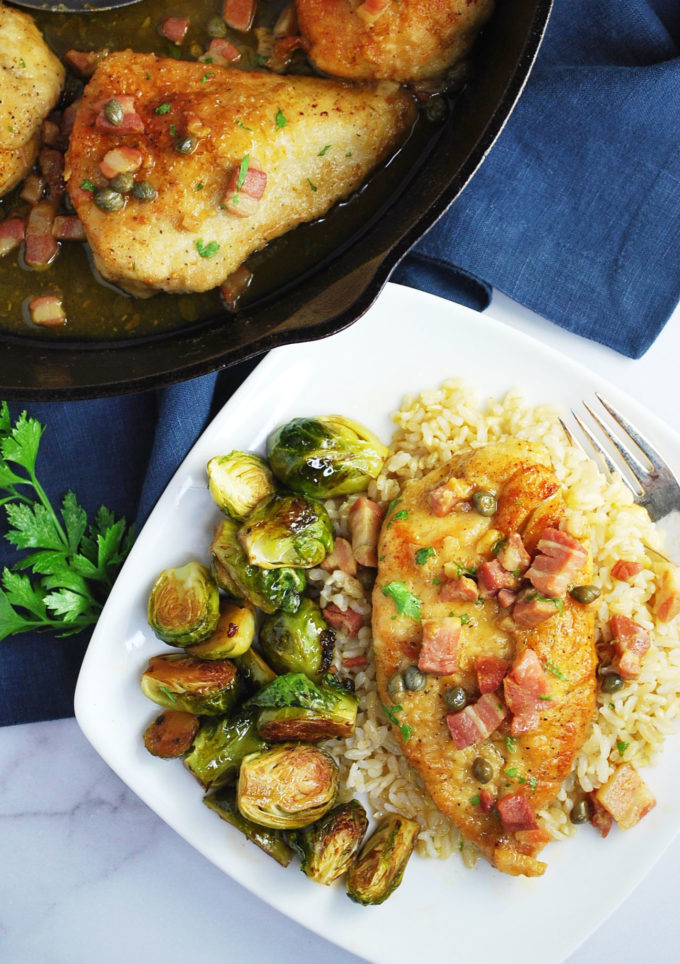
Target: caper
484, 502
437, 109
456, 698
216, 27
482, 770
123, 183
144, 191
414, 680
395, 687
611, 683
584, 594
580, 812
108, 200
186, 145
113, 112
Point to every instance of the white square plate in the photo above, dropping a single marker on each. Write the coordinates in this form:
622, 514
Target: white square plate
407, 342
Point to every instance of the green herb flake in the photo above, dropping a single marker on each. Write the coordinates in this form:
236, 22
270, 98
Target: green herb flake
324, 150
280, 120
241, 124
348, 154
546, 697
462, 570
407, 604
475, 801
22, 62
498, 545
460, 846
207, 250
611, 706
555, 670
199, 186
87, 186
170, 695
422, 555
402, 514
311, 184
522, 779
206, 77
393, 504
174, 52
404, 729
243, 171
436, 581
511, 743
512, 772
532, 782
173, 130
622, 746
162, 109
465, 619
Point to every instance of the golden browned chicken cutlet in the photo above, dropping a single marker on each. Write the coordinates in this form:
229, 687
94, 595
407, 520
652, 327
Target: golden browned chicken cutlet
402, 40
223, 161
472, 593
31, 79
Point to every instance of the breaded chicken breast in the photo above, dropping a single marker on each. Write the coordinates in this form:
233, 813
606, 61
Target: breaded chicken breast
525, 658
31, 78
408, 40
230, 160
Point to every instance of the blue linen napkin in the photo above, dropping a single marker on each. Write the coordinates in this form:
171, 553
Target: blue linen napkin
575, 213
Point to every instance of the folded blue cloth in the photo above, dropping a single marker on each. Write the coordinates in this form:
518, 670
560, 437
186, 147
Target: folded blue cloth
575, 213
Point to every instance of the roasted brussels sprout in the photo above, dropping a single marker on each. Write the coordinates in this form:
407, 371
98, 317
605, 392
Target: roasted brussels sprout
300, 642
268, 589
171, 734
223, 802
329, 846
234, 633
253, 670
382, 862
293, 707
201, 686
287, 530
287, 787
238, 481
184, 605
219, 747
324, 456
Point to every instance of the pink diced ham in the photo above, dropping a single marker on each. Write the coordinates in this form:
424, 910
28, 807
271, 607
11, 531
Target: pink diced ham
667, 597
348, 621
131, 123
41, 247
50, 131
559, 558
487, 801
506, 598
243, 200
365, 518
523, 688
600, 818
235, 285
626, 796
517, 813
491, 577
11, 234
239, 14
121, 160
84, 61
341, 558
68, 227
477, 721
175, 29
222, 52
631, 641
445, 498
439, 647
530, 611
370, 10
491, 671
463, 588
33, 189
51, 163
47, 311
625, 569
512, 555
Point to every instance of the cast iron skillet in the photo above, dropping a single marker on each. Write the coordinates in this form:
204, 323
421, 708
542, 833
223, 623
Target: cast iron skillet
334, 296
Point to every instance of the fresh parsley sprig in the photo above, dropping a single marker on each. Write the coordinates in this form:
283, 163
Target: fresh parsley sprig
71, 562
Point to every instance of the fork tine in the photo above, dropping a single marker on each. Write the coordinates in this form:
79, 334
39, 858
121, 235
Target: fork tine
645, 447
636, 467
603, 454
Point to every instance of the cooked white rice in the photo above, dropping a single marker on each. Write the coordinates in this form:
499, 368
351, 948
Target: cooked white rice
630, 725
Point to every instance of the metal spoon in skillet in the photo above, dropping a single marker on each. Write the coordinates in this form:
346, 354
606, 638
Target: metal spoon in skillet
73, 6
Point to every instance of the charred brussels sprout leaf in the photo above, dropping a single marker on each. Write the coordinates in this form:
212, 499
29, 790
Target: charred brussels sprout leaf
324, 456
184, 605
329, 846
238, 481
171, 734
300, 642
287, 787
223, 802
287, 530
293, 707
268, 589
233, 634
382, 862
204, 687
219, 747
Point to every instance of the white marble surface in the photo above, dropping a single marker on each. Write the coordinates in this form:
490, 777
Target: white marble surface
90, 876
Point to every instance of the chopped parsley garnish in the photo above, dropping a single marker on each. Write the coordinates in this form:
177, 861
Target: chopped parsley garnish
241, 124
403, 514
22, 62
243, 171
206, 77
622, 746
462, 570
464, 619
311, 184
173, 130
324, 150
511, 743
199, 186
512, 772
174, 52
407, 604
404, 729
280, 119
557, 603
475, 801
532, 782
348, 154
545, 697
436, 581
87, 185
392, 504
207, 250
555, 670
422, 555
162, 109
170, 695
498, 545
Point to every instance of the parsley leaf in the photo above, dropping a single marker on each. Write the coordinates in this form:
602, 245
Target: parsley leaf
407, 604
280, 120
87, 186
324, 150
511, 743
422, 555
311, 184
555, 670
403, 514
162, 109
243, 171
621, 746
207, 250
404, 729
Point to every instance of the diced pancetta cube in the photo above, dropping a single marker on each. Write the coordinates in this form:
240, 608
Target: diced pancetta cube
131, 123
51, 163
625, 569
445, 498
352, 662
245, 188
286, 22
476, 722
439, 647
517, 813
523, 688
600, 818
667, 597
487, 801
491, 577
68, 227
463, 588
341, 558
33, 189
532, 839
234, 286
348, 621
370, 10
85, 61
365, 517
530, 610
50, 131
491, 671
47, 311
41, 247
626, 796
11, 234
559, 558
631, 641
512, 555
221, 52
239, 14
506, 598
68, 119
121, 160
175, 29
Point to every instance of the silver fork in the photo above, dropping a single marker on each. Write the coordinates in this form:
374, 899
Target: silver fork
653, 484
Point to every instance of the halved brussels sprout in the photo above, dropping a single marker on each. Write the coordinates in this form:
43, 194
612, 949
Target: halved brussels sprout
223, 802
234, 633
238, 481
184, 605
269, 589
254, 671
329, 846
201, 686
219, 747
300, 642
171, 734
293, 707
287, 530
287, 787
382, 862
326, 455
